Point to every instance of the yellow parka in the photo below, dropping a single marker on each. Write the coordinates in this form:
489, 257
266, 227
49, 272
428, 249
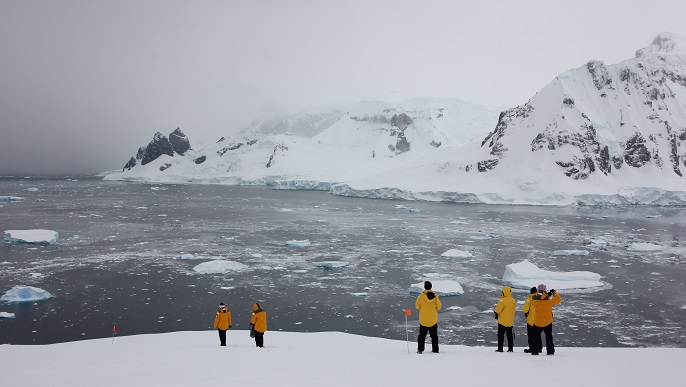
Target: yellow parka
544, 308
506, 308
529, 310
223, 319
428, 308
258, 319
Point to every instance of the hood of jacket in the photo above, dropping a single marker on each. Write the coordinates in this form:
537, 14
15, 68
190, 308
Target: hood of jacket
507, 292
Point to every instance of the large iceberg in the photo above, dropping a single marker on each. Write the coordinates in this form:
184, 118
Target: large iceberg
40, 237
440, 287
219, 267
524, 275
25, 294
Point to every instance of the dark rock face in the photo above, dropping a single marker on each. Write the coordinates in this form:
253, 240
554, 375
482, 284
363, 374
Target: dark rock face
179, 141
402, 145
636, 153
200, 160
159, 146
277, 147
401, 121
165, 166
599, 74
130, 164
486, 165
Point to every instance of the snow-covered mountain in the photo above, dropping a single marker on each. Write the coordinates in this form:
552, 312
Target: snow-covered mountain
597, 134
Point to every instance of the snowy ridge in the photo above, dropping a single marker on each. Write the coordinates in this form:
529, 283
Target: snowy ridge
596, 135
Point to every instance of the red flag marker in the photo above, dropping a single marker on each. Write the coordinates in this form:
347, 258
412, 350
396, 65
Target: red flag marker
408, 312
114, 332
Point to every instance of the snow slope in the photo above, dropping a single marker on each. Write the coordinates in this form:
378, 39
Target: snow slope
322, 359
595, 135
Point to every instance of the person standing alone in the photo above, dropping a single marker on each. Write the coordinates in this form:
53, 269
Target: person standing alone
222, 322
259, 324
505, 313
428, 305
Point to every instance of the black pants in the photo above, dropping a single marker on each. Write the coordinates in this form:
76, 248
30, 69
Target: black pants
530, 335
538, 344
222, 337
502, 331
433, 332
259, 339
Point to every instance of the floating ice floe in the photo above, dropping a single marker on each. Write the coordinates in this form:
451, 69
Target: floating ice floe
40, 237
524, 275
598, 242
570, 252
6, 315
642, 246
330, 265
219, 267
31, 189
455, 253
25, 294
416, 210
683, 307
361, 294
187, 256
296, 243
441, 287
480, 237
458, 222
653, 216
11, 199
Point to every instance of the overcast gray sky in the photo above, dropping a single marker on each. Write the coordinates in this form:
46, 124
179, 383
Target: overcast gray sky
84, 83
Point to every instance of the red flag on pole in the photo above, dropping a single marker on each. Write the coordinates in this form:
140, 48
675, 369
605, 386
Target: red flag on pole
408, 312
115, 330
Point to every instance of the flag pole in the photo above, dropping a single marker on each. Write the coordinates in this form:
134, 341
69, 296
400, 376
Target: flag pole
114, 332
407, 333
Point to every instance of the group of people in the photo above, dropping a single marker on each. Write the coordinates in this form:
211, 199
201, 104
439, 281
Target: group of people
538, 309
258, 324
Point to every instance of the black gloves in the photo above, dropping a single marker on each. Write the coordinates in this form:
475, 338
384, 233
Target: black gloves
496, 315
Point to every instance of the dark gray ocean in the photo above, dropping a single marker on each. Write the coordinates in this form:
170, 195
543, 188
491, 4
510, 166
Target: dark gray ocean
127, 253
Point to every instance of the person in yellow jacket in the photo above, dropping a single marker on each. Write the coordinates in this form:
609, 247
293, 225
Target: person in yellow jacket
222, 322
529, 313
428, 305
543, 319
258, 321
505, 313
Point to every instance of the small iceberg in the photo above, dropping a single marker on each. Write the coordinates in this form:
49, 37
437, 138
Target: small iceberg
219, 267
25, 294
9, 199
361, 294
331, 265
441, 287
40, 237
187, 256
455, 253
6, 315
296, 243
415, 210
582, 253
642, 246
524, 275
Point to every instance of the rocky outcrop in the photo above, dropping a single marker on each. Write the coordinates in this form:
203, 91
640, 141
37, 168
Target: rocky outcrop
179, 141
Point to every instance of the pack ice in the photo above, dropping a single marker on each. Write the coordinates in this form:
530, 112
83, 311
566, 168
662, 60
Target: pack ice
25, 294
524, 275
40, 237
331, 265
11, 199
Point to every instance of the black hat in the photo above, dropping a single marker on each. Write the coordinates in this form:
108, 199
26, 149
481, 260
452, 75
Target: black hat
533, 290
427, 285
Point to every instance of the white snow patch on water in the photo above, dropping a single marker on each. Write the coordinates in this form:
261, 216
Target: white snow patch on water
570, 252
219, 267
642, 246
455, 253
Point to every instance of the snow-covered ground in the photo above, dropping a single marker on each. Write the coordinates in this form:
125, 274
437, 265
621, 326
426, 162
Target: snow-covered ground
323, 359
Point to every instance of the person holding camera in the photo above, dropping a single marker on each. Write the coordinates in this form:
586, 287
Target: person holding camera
543, 320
